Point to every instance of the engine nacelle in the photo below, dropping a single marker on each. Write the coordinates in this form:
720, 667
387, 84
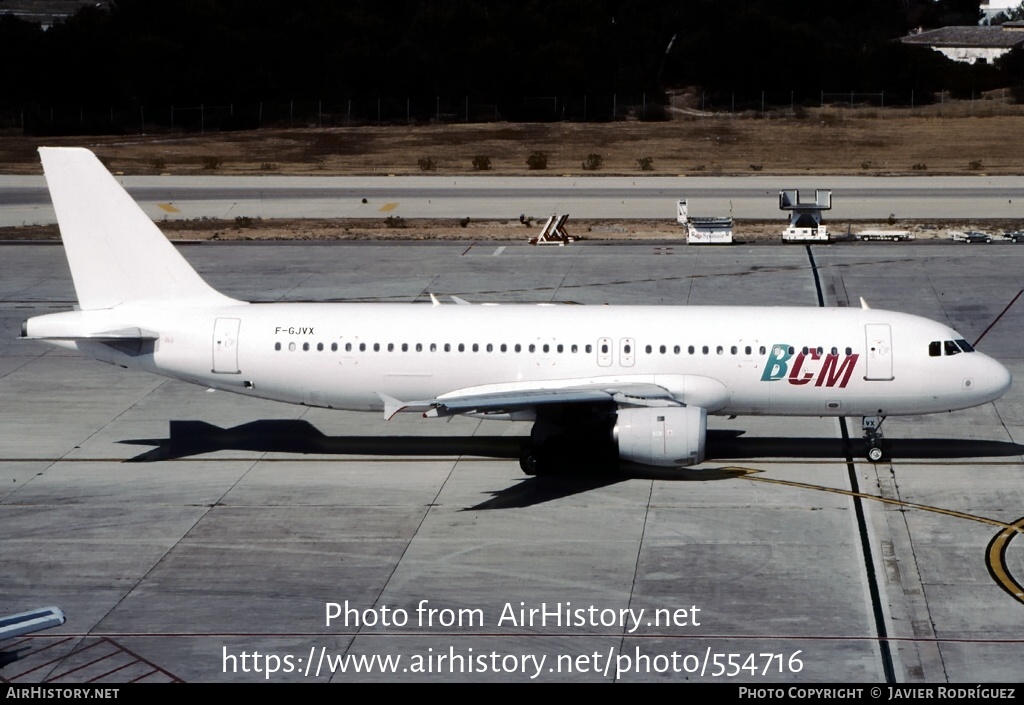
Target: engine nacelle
664, 436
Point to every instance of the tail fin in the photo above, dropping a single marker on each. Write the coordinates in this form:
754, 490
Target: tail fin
116, 253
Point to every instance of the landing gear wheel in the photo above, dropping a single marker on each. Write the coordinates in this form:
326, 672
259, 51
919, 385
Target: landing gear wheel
529, 462
872, 427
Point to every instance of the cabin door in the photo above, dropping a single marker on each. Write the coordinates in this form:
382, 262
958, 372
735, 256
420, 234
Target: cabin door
225, 346
878, 339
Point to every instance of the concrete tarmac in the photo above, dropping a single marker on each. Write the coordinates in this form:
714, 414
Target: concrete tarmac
198, 536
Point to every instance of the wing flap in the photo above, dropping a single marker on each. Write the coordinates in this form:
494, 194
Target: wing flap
508, 399
509, 402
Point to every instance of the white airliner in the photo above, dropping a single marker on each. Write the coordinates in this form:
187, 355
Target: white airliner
638, 381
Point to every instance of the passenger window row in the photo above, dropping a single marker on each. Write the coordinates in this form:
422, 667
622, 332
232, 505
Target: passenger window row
735, 350
545, 348
436, 347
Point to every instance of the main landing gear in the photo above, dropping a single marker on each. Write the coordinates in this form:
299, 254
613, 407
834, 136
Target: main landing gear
570, 440
872, 428
530, 461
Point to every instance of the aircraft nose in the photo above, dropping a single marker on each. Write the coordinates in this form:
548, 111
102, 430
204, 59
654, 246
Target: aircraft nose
992, 379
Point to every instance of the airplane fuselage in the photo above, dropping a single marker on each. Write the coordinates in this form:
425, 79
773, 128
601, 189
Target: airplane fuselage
735, 360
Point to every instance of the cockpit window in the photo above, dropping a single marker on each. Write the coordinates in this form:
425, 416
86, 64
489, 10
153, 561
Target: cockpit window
949, 347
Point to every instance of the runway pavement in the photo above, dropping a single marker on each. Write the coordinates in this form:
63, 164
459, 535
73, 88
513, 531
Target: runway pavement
24, 200
199, 536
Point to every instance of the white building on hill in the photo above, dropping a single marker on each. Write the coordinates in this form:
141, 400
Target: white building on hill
971, 44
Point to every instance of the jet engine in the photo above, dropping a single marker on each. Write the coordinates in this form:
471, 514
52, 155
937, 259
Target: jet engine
664, 436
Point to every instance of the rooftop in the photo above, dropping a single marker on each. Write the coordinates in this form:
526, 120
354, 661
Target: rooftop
969, 36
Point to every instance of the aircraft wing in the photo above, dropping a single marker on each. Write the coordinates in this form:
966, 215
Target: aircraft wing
507, 399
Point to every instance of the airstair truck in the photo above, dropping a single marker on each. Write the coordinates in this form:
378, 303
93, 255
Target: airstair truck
805, 224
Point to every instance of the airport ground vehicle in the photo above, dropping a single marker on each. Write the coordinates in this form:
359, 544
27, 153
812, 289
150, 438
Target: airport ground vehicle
970, 236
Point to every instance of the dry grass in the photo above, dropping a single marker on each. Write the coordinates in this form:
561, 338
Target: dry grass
826, 141
833, 141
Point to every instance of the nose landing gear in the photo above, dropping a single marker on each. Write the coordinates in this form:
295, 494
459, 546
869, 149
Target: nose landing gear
872, 428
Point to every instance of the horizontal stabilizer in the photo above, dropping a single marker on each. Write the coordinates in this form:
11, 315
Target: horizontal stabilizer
110, 336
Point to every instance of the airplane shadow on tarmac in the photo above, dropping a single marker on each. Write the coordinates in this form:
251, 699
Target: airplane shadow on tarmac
574, 476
